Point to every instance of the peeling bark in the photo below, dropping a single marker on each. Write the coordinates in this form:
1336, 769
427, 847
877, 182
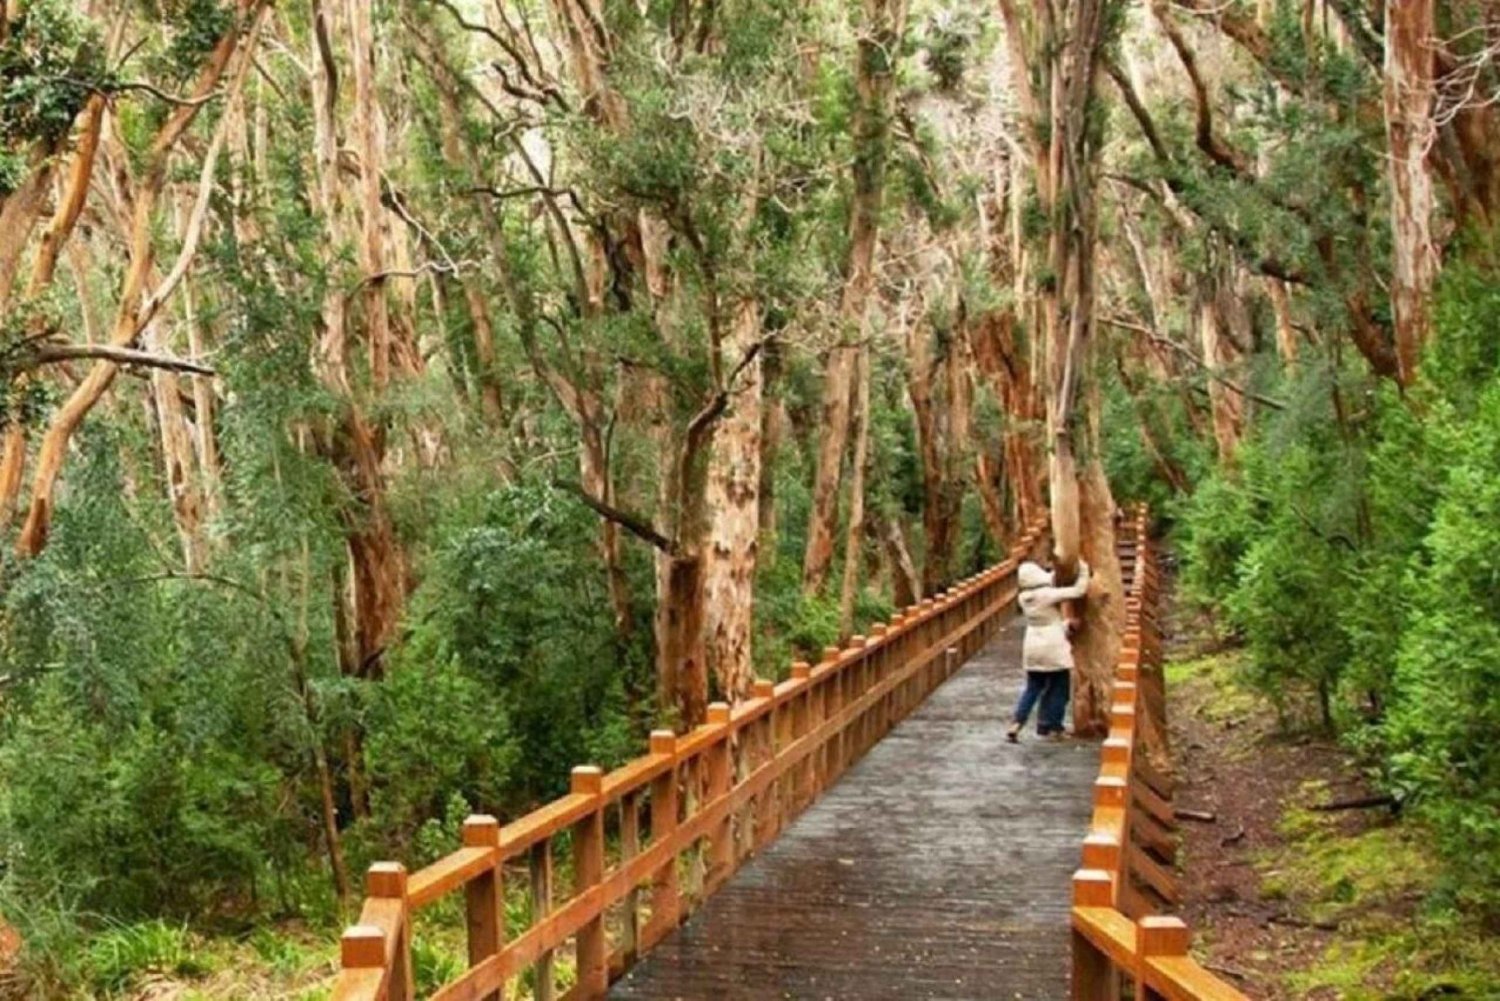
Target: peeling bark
733, 502
1411, 134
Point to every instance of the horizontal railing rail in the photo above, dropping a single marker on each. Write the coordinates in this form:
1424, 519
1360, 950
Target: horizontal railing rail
1120, 937
684, 816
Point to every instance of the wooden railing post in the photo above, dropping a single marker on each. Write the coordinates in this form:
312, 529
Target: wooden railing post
362, 947
484, 901
1094, 977
881, 666
763, 816
592, 949
630, 847
539, 863
720, 781
805, 775
836, 697
665, 897
1157, 936
386, 881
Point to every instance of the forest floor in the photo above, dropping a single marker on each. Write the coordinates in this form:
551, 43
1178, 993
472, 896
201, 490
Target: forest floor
1288, 901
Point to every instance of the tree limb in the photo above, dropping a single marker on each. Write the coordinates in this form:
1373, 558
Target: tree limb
51, 354
634, 524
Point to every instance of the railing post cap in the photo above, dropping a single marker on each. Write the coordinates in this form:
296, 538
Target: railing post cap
386, 879
663, 742
588, 779
878, 630
362, 947
1093, 888
718, 712
1163, 935
763, 689
1101, 851
801, 669
481, 831
830, 653
857, 642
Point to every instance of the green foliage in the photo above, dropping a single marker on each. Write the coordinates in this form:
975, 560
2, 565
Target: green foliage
1360, 563
50, 59
511, 602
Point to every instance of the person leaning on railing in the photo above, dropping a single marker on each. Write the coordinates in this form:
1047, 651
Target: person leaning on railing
1046, 653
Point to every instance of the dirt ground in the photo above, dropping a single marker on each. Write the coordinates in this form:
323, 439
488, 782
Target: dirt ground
1288, 899
1232, 763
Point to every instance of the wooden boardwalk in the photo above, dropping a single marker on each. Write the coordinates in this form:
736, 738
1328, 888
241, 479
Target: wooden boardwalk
938, 867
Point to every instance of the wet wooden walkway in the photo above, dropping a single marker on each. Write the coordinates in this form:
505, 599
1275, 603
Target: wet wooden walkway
939, 867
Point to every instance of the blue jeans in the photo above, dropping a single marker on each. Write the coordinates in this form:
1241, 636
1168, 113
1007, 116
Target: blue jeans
1053, 689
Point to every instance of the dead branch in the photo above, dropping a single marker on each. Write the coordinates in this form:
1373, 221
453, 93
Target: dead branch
52, 354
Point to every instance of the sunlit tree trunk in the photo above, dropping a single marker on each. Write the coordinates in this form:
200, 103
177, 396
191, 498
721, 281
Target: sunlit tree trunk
875, 73
135, 307
733, 501
1409, 53
1287, 347
69, 207
1055, 52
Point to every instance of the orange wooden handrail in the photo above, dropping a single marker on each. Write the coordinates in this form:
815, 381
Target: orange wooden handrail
714, 796
1115, 938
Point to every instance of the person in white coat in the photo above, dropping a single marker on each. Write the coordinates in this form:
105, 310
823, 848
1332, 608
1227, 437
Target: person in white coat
1046, 653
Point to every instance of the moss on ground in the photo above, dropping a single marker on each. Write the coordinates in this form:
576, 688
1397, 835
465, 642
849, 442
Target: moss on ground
1372, 879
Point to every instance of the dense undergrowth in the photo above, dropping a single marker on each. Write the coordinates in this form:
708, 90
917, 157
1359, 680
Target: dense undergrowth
1353, 551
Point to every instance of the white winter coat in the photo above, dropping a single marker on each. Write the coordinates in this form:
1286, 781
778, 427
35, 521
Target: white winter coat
1046, 647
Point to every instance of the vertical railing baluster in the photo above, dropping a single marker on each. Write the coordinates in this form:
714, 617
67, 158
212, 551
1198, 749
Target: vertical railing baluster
539, 863
630, 847
484, 901
720, 780
591, 948
1094, 976
666, 899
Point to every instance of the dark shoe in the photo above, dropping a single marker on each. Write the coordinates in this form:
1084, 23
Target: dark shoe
1013, 733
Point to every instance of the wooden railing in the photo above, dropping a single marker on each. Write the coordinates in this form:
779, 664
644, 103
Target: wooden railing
1120, 936
650, 840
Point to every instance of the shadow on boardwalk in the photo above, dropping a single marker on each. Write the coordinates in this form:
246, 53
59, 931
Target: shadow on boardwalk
938, 868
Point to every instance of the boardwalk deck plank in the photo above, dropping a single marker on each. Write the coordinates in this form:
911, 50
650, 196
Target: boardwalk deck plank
938, 869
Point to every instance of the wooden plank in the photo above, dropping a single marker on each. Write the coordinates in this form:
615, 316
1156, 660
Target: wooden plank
541, 824
1180, 978
449, 873
1109, 931
1150, 872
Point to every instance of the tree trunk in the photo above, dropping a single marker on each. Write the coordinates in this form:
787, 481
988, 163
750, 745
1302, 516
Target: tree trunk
906, 589
1411, 132
179, 463
1096, 644
854, 533
875, 73
733, 504
1219, 354
135, 308
682, 677
1286, 334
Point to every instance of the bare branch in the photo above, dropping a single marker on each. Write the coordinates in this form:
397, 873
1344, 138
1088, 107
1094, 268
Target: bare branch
634, 524
52, 354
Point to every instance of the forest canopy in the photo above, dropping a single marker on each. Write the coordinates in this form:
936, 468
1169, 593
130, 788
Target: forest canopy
407, 400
